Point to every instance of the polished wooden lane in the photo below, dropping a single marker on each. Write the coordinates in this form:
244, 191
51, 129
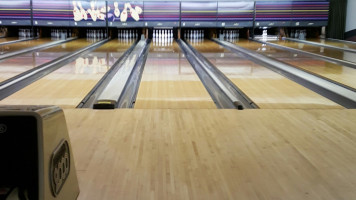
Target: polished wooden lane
338, 73
334, 43
8, 39
68, 85
13, 66
8, 48
169, 81
332, 53
265, 87
214, 154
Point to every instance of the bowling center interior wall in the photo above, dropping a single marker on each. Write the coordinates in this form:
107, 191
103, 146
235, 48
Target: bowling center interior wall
126, 14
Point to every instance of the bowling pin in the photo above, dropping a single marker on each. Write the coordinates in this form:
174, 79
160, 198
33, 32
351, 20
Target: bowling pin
82, 11
138, 9
123, 16
134, 13
116, 10
101, 16
93, 13
103, 10
76, 12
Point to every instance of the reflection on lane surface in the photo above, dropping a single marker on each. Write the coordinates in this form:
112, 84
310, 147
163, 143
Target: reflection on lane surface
13, 66
8, 39
339, 73
169, 81
8, 48
334, 43
68, 85
338, 54
265, 87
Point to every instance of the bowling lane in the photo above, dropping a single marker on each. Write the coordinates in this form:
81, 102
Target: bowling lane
338, 73
332, 53
67, 86
169, 81
265, 87
334, 43
13, 66
8, 48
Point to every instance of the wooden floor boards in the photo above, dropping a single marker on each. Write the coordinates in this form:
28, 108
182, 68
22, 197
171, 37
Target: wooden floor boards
214, 154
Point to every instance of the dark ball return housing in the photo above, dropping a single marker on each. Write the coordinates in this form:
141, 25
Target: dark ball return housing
36, 161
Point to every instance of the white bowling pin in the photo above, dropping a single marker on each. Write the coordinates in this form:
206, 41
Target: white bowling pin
103, 10
101, 16
92, 11
82, 11
123, 16
138, 9
116, 10
76, 12
133, 12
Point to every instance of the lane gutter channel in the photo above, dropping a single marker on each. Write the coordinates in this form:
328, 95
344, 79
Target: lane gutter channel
35, 48
321, 45
338, 93
22, 80
16, 41
224, 93
91, 97
314, 55
129, 94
